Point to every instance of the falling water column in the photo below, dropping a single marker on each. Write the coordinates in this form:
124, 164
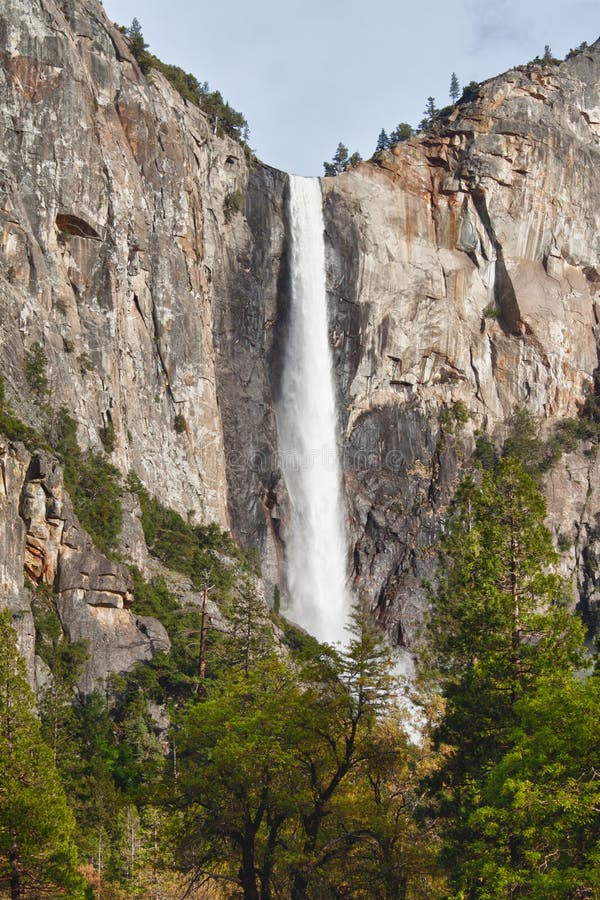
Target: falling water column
306, 422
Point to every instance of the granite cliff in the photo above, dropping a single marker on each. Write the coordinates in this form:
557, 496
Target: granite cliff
463, 276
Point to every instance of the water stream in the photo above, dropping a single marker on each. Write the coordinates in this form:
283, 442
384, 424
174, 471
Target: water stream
307, 424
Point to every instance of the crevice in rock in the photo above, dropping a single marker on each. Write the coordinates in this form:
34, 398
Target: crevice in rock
136, 303
159, 354
506, 299
504, 292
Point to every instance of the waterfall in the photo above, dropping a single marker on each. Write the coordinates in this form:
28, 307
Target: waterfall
306, 423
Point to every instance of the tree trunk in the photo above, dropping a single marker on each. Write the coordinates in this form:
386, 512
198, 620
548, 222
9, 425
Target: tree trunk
15, 866
248, 871
299, 887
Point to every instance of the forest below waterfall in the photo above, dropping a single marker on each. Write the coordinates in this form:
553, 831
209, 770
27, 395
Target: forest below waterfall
283, 767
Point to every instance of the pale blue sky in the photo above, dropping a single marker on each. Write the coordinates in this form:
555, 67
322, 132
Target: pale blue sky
310, 73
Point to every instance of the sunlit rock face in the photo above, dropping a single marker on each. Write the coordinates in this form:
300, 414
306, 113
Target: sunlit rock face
464, 268
461, 266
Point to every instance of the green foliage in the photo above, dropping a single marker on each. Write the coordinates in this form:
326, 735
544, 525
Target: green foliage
250, 632
429, 114
14, 428
64, 658
564, 542
193, 550
287, 777
580, 49
547, 59
35, 366
454, 90
589, 421
180, 424
86, 365
485, 453
137, 45
523, 443
341, 161
401, 132
470, 92
383, 141
94, 485
108, 437
498, 627
491, 311
539, 455
537, 823
95, 490
454, 416
301, 644
238, 765
37, 851
568, 433
172, 676
232, 204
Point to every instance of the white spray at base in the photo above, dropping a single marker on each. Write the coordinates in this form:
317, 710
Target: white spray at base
306, 422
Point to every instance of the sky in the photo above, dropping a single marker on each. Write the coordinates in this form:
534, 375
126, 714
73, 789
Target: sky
308, 74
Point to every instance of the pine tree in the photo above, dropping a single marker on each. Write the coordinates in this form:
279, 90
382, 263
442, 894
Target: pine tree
36, 825
536, 826
429, 114
454, 88
383, 141
137, 45
251, 633
498, 626
402, 132
341, 161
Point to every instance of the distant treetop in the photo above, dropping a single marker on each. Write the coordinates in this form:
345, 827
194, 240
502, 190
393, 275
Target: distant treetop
224, 119
341, 161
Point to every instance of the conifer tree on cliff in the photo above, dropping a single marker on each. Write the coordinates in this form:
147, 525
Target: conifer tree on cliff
37, 851
383, 141
498, 627
402, 132
454, 88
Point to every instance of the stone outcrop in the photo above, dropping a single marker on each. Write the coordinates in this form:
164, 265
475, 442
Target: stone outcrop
463, 278
42, 537
14, 462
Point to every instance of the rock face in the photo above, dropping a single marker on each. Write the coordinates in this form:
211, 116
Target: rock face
112, 207
464, 269
463, 275
14, 461
42, 536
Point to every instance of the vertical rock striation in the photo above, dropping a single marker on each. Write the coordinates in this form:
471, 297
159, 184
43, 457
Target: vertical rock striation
463, 272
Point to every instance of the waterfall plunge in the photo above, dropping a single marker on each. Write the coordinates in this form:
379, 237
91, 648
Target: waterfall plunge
306, 422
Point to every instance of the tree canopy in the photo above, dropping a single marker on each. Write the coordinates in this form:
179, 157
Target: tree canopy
37, 850
499, 629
